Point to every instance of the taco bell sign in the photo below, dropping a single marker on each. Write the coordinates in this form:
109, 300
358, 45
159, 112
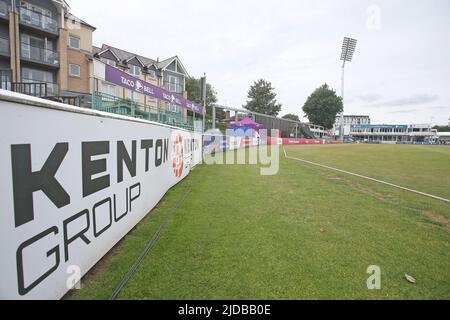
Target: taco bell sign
129, 82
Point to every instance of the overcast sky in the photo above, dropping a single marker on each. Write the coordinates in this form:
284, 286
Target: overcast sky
400, 72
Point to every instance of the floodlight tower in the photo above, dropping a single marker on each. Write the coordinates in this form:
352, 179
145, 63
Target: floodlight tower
348, 49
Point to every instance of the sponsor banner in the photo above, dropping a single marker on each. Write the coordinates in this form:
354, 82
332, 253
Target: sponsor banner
234, 143
304, 141
217, 143
274, 141
129, 82
75, 182
292, 141
246, 142
214, 144
249, 142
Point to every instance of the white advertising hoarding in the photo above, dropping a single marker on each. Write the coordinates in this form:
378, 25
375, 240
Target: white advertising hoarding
73, 183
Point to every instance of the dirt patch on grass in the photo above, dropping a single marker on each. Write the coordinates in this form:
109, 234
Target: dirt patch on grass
382, 196
437, 218
387, 197
330, 176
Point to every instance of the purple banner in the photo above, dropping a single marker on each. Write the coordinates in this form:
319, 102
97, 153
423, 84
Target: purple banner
127, 81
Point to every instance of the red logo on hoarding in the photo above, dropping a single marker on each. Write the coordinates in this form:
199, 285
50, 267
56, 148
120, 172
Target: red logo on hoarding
178, 156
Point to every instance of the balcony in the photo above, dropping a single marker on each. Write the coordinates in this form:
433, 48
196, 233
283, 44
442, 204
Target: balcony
4, 46
174, 87
39, 55
38, 88
39, 21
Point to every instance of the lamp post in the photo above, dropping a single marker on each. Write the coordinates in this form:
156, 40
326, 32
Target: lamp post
348, 49
203, 97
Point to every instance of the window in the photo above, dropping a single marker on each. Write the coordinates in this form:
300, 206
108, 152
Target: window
152, 74
170, 107
174, 80
36, 47
109, 89
135, 97
33, 75
74, 70
135, 70
109, 62
3, 9
173, 84
74, 42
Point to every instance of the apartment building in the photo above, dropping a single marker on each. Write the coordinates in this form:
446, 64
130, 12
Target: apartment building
44, 49
169, 74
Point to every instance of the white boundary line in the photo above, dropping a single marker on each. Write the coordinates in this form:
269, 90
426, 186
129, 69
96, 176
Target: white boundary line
367, 178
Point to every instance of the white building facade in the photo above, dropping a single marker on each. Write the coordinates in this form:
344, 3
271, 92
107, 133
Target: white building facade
350, 120
417, 133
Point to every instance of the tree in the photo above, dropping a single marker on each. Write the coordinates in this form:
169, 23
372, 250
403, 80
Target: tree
193, 88
442, 128
291, 116
262, 99
322, 107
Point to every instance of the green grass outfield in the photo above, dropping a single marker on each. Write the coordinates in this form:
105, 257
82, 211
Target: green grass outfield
306, 233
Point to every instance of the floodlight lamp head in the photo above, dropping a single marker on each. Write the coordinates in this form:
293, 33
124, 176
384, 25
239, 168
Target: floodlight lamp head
348, 49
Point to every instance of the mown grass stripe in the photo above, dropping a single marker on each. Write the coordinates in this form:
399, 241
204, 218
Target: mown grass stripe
367, 178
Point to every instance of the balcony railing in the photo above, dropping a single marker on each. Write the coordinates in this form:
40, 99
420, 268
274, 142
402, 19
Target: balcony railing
4, 45
38, 20
35, 89
174, 87
76, 101
52, 89
41, 55
126, 107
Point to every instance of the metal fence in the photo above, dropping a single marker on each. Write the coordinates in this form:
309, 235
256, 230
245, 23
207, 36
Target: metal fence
127, 107
36, 89
76, 101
